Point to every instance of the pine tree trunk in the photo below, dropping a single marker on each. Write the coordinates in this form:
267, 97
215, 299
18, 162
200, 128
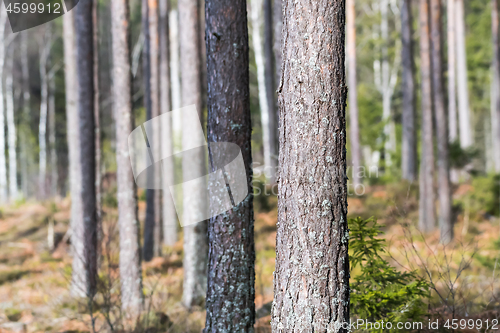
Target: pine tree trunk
168, 210
3, 155
353, 95
73, 137
278, 27
25, 158
231, 291
464, 116
97, 119
155, 112
149, 225
174, 62
85, 74
409, 144
426, 210
195, 236
311, 280
496, 74
444, 190
13, 190
130, 255
271, 88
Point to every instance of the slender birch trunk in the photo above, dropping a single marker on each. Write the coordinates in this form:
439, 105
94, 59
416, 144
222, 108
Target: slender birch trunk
195, 236
464, 116
311, 281
130, 254
175, 72
168, 210
353, 95
11, 128
452, 73
427, 213
440, 115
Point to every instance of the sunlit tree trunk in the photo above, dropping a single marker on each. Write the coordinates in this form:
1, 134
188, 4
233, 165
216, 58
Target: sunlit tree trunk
231, 291
25, 158
440, 115
464, 116
130, 255
195, 236
427, 213
11, 129
97, 117
353, 95
168, 210
278, 27
311, 280
452, 91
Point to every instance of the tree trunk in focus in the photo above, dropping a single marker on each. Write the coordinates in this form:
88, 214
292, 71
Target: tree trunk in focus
426, 209
311, 280
231, 290
128, 221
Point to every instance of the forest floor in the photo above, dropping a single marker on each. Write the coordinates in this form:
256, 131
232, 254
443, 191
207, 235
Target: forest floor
34, 293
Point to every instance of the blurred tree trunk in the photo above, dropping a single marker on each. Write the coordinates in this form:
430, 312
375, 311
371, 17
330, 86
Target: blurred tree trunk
174, 59
271, 87
195, 236
353, 95
85, 74
44, 49
452, 80
149, 225
464, 116
130, 255
168, 209
97, 118
73, 137
231, 291
427, 213
52, 133
496, 82
25, 158
311, 292
3, 153
438, 89
265, 112
155, 112
11, 127
278, 27
409, 145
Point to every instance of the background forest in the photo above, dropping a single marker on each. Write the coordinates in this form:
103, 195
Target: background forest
423, 162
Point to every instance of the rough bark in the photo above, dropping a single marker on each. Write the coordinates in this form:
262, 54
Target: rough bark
444, 190
149, 224
11, 126
231, 281
130, 255
495, 27
464, 116
195, 236
73, 137
270, 80
168, 210
311, 280
409, 144
426, 209
3, 158
87, 232
353, 95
